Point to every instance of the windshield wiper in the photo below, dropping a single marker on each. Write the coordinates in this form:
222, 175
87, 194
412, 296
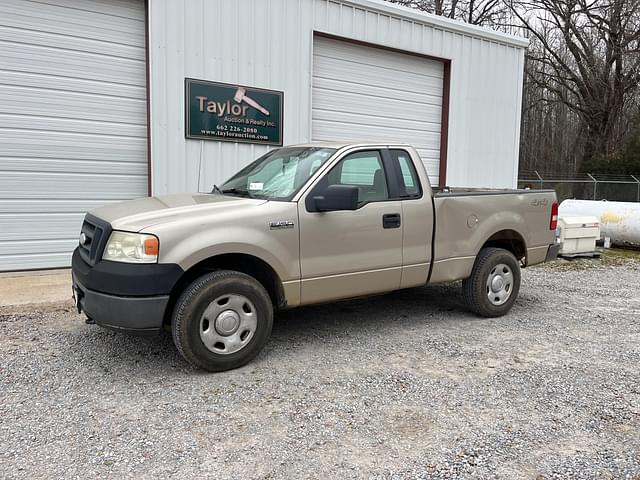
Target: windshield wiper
216, 189
236, 191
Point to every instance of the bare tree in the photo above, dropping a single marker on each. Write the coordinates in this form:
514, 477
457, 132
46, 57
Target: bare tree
585, 55
551, 133
477, 12
581, 101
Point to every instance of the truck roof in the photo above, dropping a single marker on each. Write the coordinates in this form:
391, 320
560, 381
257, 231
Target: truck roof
348, 144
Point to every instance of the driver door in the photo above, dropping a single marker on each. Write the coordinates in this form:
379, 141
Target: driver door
349, 253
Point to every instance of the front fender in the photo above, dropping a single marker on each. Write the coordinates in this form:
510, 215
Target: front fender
283, 267
194, 240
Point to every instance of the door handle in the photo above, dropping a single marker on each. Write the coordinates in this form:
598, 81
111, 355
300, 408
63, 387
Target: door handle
391, 220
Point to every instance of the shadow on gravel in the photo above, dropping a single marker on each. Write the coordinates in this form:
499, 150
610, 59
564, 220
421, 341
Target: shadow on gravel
138, 355
156, 353
411, 307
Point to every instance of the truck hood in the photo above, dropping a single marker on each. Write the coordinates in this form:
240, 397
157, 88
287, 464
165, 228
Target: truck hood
136, 215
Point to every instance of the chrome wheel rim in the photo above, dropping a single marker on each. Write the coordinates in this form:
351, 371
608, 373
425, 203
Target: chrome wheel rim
228, 324
499, 284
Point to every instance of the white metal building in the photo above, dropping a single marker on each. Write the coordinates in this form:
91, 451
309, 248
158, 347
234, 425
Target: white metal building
92, 98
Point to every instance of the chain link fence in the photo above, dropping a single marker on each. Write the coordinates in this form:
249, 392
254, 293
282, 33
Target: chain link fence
584, 186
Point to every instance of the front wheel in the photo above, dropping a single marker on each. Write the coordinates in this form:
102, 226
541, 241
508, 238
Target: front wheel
222, 320
493, 286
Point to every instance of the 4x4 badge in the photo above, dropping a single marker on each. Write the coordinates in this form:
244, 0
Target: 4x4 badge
540, 202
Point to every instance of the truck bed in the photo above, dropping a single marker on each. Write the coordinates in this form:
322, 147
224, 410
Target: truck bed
468, 218
464, 192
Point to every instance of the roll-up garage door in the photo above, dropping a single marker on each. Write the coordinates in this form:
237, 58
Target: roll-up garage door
363, 93
73, 121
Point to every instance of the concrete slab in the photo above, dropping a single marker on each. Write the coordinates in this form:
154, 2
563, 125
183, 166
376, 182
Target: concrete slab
43, 286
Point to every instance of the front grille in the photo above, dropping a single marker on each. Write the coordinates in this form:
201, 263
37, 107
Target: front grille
95, 233
86, 240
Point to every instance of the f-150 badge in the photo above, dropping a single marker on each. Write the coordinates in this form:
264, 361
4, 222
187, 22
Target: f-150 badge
281, 224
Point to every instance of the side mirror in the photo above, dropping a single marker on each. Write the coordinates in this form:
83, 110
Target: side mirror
334, 197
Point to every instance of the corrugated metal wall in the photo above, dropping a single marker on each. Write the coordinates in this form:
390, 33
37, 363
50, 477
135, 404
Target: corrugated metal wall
268, 44
72, 121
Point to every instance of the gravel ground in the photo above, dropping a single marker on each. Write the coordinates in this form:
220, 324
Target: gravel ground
406, 385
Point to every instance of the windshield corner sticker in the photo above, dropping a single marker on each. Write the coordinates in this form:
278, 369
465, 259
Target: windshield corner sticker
256, 186
233, 113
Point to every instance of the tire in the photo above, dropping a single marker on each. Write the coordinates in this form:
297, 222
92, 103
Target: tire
222, 320
493, 286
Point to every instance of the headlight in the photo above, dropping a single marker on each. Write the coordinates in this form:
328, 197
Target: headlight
131, 248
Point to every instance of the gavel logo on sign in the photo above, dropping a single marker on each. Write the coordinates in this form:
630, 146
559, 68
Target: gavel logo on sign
241, 96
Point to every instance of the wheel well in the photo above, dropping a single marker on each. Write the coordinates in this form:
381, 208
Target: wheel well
239, 262
509, 240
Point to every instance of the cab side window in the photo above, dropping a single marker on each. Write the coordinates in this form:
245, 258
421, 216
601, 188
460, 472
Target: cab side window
408, 176
364, 170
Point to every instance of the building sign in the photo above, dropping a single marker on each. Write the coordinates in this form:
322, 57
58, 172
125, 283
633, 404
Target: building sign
233, 113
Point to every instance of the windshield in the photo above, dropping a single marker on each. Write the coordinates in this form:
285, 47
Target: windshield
278, 174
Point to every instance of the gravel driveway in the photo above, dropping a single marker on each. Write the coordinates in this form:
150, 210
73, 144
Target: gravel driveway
406, 385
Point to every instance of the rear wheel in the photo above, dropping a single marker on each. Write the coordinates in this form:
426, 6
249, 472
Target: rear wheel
222, 320
493, 286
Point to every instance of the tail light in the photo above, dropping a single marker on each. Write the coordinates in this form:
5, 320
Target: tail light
553, 223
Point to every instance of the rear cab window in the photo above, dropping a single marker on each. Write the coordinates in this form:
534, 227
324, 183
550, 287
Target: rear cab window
409, 181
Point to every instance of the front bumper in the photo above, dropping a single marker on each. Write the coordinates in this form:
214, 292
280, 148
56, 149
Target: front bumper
552, 253
134, 315
130, 298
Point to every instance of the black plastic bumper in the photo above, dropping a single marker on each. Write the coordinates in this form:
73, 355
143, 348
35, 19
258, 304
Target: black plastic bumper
126, 279
552, 253
133, 315
126, 297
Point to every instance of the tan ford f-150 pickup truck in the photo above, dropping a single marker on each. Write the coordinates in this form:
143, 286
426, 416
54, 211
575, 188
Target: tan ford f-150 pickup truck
301, 225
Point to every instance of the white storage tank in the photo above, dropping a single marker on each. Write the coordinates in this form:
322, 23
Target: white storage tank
620, 221
578, 235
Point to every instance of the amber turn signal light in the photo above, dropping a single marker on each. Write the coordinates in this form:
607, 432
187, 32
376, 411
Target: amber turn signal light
151, 246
